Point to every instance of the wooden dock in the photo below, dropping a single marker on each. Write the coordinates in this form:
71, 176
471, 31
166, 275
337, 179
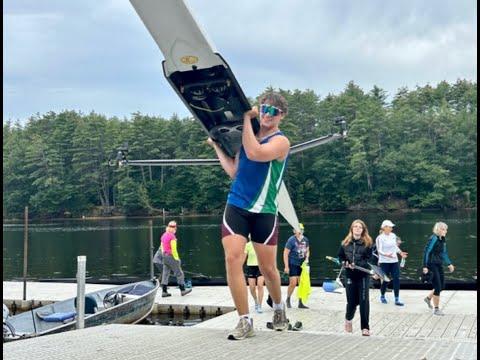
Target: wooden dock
409, 332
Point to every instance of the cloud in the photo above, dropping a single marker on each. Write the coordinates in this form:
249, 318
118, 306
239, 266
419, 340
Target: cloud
97, 55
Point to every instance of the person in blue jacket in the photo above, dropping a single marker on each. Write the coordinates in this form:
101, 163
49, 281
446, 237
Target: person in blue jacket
434, 256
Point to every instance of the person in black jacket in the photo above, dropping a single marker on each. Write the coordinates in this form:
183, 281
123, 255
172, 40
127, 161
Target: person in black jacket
356, 249
434, 255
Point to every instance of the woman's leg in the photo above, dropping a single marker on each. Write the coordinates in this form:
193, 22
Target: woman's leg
292, 283
234, 247
437, 284
351, 294
260, 283
165, 274
252, 283
383, 287
267, 262
395, 270
363, 293
177, 271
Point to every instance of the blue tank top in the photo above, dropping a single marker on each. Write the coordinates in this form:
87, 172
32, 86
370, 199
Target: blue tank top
256, 184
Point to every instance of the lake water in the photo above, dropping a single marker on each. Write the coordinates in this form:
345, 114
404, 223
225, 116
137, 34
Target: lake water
120, 248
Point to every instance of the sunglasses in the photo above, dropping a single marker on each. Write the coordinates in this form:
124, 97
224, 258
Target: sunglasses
270, 110
172, 226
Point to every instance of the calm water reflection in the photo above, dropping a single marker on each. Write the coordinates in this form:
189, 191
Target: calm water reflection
120, 247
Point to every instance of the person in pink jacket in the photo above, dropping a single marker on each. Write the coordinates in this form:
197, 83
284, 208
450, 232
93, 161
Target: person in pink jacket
171, 260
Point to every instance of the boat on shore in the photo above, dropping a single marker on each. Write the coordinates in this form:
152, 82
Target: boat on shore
124, 304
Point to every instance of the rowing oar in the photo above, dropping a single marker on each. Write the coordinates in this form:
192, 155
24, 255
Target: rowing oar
375, 270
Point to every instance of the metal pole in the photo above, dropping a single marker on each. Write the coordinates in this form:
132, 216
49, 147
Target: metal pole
25, 253
81, 266
150, 225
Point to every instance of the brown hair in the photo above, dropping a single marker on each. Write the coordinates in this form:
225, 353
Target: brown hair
274, 99
365, 237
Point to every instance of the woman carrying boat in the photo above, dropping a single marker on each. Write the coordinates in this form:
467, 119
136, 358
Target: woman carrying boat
171, 260
356, 249
251, 208
434, 255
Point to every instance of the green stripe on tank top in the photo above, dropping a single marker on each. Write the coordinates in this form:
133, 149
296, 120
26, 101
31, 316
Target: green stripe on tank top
266, 199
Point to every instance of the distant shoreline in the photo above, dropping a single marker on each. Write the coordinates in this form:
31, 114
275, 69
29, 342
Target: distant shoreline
189, 215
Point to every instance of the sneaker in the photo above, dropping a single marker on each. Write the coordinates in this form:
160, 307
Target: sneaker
398, 302
438, 312
186, 291
289, 305
280, 321
348, 326
429, 302
166, 294
269, 301
301, 305
383, 299
365, 332
258, 309
243, 330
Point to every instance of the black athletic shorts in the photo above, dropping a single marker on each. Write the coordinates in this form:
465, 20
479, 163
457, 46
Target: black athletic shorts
294, 270
262, 228
252, 272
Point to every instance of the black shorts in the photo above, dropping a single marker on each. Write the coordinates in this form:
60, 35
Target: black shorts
262, 228
295, 270
252, 272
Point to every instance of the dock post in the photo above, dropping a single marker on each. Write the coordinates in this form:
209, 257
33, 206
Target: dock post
150, 226
81, 269
25, 253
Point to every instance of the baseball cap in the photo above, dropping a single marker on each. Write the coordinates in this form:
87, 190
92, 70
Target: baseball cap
387, 223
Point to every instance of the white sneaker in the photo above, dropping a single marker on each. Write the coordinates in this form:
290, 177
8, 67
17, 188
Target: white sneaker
280, 321
438, 312
243, 330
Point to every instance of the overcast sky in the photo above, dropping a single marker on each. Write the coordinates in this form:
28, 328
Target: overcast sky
97, 55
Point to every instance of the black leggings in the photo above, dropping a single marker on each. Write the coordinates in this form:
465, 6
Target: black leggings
394, 270
437, 278
357, 294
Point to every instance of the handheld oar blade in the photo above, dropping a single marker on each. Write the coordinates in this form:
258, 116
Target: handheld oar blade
333, 259
379, 272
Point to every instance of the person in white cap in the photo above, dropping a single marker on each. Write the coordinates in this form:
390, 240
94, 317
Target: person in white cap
387, 250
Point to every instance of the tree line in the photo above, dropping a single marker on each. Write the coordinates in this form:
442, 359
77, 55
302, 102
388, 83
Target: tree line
416, 151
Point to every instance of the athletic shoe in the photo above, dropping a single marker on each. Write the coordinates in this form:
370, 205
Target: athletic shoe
438, 312
258, 308
269, 301
186, 291
166, 294
289, 305
383, 299
243, 330
429, 303
280, 321
348, 326
365, 332
301, 305
398, 302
